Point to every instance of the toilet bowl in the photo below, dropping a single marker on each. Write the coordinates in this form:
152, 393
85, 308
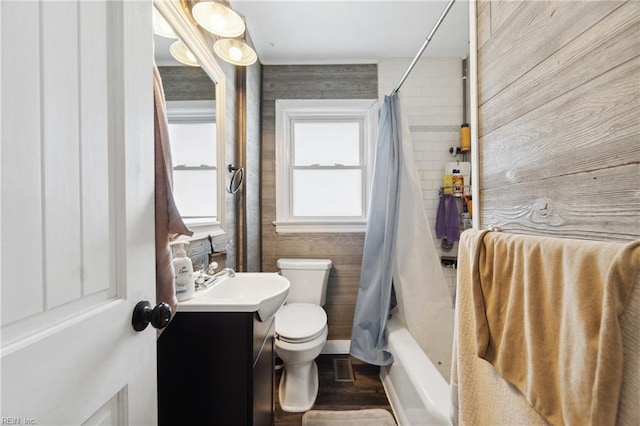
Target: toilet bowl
301, 332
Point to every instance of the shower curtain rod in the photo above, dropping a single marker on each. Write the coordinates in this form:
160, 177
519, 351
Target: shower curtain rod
424, 46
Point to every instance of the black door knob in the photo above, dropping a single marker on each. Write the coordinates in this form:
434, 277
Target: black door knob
159, 316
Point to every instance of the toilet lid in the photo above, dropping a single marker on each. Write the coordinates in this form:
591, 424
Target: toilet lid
300, 322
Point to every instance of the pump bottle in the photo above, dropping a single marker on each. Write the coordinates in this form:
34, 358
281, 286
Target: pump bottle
183, 272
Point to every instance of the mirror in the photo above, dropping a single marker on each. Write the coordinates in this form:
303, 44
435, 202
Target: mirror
195, 98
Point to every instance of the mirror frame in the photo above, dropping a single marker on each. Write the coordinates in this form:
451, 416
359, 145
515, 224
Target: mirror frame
198, 42
473, 113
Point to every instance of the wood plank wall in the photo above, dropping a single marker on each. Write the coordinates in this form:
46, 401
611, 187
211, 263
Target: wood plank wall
559, 118
247, 124
345, 250
186, 84
253, 246
231, 157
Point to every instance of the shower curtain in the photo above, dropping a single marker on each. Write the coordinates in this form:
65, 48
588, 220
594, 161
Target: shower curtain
399, 248
368, 341
424, 301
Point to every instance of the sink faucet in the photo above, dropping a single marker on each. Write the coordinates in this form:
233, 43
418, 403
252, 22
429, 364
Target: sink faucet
226, 271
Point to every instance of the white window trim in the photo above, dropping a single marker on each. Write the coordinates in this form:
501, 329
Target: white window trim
191, 111
198, 112
292, 109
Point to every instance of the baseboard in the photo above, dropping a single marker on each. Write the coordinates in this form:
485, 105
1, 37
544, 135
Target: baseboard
339, 347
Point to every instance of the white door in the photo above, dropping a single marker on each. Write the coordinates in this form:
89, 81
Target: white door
76, 212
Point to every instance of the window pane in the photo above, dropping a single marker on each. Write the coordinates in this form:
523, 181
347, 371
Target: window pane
195, 192
193, 144
326, 143
327, 193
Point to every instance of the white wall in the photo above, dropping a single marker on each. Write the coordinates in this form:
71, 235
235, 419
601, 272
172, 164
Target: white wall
432, 101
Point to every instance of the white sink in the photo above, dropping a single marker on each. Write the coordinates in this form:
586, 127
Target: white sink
261, 292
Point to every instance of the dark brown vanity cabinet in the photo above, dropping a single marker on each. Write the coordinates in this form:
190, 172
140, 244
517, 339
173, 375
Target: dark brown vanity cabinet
216, 368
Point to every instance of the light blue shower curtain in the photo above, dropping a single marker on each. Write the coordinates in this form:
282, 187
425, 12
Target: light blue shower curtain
368, 341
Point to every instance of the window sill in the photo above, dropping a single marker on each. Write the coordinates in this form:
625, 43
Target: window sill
311, 227
203, 228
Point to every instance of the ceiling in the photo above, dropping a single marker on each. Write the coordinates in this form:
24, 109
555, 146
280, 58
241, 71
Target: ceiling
347, 31
352, 31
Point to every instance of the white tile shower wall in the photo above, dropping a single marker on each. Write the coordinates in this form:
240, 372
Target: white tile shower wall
432, 102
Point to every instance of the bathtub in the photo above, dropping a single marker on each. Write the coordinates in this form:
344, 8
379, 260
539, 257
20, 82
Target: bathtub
418, 393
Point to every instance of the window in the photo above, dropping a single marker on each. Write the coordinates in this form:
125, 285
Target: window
194, 152
324, 158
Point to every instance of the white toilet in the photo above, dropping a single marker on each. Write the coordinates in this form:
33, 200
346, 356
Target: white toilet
301, 330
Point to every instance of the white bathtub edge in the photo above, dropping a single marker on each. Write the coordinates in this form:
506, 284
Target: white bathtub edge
426, 380
392, 396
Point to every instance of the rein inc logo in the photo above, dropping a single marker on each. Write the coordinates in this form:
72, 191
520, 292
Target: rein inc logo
17, 421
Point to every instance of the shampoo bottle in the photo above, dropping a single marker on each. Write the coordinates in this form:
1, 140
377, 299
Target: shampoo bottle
183, 270
458, 182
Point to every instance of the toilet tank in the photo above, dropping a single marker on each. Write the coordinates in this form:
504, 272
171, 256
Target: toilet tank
308, 279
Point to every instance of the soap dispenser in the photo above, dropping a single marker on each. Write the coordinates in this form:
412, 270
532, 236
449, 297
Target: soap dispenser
183, 272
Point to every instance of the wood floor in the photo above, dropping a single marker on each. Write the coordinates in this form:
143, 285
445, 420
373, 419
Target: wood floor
365, 392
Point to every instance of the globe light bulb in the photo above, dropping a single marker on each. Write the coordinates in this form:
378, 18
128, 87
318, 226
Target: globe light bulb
235, 53
217, 20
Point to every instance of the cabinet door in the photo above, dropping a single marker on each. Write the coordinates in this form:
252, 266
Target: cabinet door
205, 369
263, 380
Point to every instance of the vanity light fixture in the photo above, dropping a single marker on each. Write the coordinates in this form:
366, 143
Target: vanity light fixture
182, 54
228, 27
178, 49
161, 26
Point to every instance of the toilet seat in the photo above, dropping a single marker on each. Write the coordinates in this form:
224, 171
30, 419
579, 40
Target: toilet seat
300, 322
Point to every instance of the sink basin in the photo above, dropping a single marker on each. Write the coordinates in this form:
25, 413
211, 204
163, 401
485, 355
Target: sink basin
261, 292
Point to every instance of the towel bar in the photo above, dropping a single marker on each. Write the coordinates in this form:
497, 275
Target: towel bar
466, 190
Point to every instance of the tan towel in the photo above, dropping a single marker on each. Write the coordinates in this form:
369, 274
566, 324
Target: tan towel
479, 396
546, 312
169, 223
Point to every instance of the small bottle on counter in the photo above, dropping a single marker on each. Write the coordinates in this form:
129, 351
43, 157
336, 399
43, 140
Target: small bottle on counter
183, 272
